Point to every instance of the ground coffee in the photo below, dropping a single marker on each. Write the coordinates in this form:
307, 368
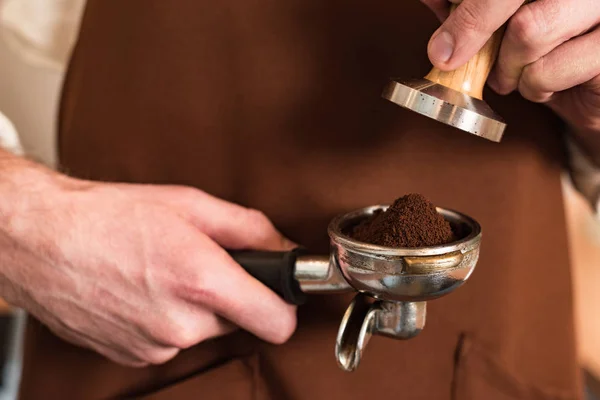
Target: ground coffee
412, 221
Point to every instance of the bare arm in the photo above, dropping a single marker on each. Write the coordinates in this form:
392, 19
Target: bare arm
134, 272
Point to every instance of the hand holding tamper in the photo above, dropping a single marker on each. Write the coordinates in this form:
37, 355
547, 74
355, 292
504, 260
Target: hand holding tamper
455, 97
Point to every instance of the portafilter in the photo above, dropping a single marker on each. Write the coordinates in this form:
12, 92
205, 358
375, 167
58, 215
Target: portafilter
393, 285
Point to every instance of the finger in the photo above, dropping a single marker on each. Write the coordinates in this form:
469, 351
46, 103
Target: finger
576, 106
571, 64
211, 326
186, 325
231, 225
534, 31
441, 8
218, 283
467, 29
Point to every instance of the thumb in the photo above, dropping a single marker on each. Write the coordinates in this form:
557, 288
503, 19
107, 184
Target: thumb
467, 29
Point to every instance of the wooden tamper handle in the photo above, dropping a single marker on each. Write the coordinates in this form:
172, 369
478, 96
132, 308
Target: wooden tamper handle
471, 77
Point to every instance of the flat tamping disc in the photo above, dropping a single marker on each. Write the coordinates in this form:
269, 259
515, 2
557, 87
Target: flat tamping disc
448, 106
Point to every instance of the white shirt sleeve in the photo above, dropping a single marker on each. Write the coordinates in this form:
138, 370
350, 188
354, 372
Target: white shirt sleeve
41, 31
9, 139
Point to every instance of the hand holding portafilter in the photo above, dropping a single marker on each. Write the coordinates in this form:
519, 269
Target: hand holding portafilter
394, 284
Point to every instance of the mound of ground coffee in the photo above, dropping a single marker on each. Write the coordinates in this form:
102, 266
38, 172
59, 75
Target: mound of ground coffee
412, 221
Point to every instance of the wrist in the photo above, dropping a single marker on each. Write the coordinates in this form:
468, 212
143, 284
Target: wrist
25, 185
28, 194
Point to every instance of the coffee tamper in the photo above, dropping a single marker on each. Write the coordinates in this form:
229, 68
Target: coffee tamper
393, 284
455, 97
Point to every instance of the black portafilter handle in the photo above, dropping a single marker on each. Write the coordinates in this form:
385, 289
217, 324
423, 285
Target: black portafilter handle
275, 269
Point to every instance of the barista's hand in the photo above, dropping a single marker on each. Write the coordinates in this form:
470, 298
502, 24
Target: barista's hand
134, 272
550, 52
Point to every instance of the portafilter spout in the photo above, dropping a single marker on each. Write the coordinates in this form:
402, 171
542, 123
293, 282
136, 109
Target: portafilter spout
393, 284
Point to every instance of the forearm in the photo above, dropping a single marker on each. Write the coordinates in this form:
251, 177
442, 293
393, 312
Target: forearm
21, 179
28, 205
22, 182
25, 188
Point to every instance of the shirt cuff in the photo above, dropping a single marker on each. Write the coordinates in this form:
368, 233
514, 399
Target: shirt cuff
9, 139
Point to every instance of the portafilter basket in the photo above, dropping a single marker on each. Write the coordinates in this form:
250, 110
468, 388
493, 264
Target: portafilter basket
393, 284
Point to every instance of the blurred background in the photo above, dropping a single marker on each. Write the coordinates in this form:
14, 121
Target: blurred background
30, 81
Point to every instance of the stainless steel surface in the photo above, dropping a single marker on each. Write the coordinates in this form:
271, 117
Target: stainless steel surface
364, 318
354, 333
448, 106
400, 320
394, 283
405, 274
318, 274
423, 264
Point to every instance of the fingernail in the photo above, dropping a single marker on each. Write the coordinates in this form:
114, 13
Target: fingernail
441, 47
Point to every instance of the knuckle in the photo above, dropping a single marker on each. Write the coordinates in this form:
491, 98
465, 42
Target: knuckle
184, 337
159, 356
183, 332
534, 77
286, 330
526, 29
188, 193
533, 87
264, 232
262, 225
257, 216
503, 82
173, 330
469, 17
197, 290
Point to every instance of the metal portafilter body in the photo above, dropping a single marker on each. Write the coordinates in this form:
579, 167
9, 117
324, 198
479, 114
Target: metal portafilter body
393, 284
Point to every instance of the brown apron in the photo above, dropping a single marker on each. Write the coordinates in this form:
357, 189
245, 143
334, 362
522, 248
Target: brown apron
275, 104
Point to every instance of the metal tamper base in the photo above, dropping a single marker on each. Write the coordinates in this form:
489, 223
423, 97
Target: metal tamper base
446, 105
